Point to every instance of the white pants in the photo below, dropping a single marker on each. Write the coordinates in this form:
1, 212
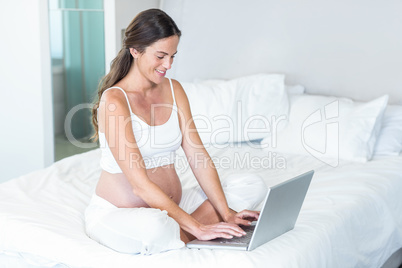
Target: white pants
148, 230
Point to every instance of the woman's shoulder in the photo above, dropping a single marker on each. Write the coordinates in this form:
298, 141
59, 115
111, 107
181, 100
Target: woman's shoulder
180, 94
114, 93
177, 87
114, 96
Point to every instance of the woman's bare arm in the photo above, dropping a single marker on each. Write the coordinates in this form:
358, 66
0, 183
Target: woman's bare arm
202, 164
120, 137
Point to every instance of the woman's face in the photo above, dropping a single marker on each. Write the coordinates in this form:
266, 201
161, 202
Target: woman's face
157, 59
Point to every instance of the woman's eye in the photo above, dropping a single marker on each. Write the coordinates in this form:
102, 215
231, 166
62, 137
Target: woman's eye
159, 57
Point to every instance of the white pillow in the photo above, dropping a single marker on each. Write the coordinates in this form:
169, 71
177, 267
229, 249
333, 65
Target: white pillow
389, 141
295, 89
209, 82
329, 128
239, 109
291, 89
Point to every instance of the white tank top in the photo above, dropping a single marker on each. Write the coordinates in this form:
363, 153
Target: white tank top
157, 144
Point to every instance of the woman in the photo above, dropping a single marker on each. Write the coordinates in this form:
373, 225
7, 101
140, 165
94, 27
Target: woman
141, 119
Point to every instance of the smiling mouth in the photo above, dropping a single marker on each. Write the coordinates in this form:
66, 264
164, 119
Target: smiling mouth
161, 72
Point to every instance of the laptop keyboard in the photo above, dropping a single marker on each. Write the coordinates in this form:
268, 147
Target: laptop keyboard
245, 239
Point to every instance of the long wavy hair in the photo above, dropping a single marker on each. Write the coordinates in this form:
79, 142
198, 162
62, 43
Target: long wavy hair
145, 29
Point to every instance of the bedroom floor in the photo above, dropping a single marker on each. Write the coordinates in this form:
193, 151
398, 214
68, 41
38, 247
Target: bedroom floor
64, 148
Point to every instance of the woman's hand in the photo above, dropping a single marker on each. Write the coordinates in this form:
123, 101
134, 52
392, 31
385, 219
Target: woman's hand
230, 228
219, 230
244, 217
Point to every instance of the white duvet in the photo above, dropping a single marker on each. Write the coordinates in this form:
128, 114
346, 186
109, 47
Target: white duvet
351, 217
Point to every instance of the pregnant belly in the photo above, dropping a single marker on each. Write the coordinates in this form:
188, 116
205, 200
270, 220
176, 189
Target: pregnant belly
116, 189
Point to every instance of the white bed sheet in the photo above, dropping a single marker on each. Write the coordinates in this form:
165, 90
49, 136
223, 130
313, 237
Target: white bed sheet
351, 217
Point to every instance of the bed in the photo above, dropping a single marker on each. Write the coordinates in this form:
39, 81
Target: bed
351, 216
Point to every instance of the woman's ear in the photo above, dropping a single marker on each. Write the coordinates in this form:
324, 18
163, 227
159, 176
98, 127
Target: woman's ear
134, 52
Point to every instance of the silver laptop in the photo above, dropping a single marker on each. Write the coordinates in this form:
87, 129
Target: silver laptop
278, 215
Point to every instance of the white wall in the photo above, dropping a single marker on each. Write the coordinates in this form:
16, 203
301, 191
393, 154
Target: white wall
118, 14
26, 137
343, 48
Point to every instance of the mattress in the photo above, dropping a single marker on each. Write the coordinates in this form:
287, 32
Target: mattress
351, 216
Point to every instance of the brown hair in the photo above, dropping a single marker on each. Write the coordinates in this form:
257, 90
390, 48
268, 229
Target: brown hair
145, 29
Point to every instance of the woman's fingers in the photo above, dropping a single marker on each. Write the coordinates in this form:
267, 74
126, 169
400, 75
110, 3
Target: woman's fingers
245, 217
249, 215
243, 222
222, 229
229, 228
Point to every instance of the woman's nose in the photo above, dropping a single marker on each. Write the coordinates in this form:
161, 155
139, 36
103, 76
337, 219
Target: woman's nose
168, 63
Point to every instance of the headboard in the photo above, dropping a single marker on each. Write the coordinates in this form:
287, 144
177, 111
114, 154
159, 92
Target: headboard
341, 48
